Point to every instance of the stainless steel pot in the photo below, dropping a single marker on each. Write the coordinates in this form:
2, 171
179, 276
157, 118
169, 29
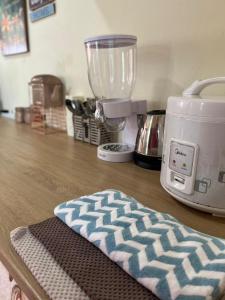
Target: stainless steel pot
149, 142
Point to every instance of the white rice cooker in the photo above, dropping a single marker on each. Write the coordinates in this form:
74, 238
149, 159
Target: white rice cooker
193, 161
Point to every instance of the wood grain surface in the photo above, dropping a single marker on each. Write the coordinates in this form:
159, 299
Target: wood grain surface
38, 172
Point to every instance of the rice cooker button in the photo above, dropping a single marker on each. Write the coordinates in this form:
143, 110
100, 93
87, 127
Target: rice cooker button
201, 186
222, 177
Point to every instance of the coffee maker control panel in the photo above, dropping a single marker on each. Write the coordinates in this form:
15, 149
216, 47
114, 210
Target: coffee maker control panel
182, 165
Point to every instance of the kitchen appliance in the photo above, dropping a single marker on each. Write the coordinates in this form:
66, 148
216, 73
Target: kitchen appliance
111, 63
193, 168
149, 142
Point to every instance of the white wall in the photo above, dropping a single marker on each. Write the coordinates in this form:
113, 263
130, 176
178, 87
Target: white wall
178, 42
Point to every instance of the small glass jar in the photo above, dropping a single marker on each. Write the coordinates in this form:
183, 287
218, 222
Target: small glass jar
27, 115
19, 116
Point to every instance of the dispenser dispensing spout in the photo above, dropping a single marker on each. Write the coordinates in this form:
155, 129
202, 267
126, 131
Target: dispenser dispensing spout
197, 86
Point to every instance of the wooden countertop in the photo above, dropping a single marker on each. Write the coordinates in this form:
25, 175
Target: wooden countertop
37, 172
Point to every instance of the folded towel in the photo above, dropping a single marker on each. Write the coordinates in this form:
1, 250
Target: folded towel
167, 257
52, 278
92, 271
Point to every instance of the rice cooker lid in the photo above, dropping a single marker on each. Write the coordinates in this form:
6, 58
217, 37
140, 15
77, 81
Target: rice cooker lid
199, 107
192, 104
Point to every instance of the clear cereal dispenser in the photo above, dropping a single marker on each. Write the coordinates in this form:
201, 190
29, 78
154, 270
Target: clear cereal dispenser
111, 61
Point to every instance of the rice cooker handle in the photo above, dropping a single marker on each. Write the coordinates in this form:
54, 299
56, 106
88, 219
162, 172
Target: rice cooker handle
197, 86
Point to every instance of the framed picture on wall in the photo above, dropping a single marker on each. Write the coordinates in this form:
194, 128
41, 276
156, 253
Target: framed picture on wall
14, 32
35, 4
0, 41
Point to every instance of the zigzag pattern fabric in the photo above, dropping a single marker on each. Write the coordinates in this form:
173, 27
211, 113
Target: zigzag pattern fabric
170, 259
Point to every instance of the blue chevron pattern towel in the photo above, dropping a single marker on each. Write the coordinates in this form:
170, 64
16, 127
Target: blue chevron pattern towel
170, 259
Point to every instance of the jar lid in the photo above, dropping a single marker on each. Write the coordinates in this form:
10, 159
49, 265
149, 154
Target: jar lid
111, 41
45, 79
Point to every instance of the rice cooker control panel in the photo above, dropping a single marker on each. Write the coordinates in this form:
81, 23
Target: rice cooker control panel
182, 165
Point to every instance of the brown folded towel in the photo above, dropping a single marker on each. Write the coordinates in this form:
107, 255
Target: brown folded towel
95, 273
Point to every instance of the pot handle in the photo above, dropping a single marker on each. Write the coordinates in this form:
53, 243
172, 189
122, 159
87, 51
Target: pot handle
197, 86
